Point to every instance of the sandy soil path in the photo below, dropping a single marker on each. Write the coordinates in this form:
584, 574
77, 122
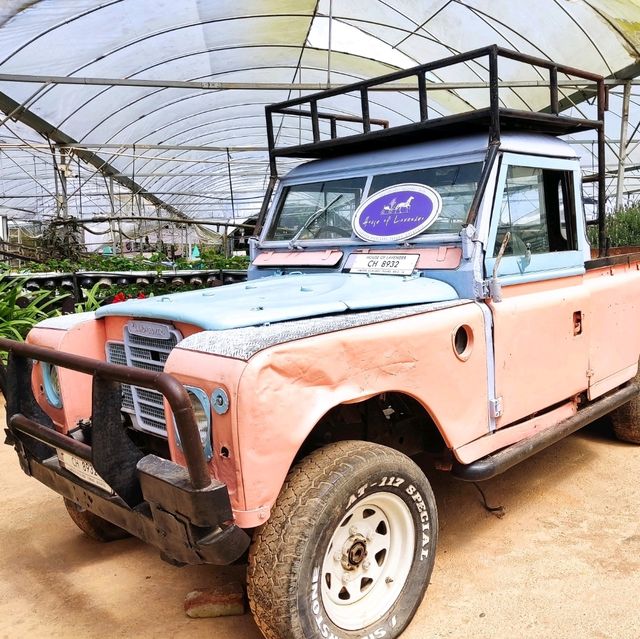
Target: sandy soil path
564, 561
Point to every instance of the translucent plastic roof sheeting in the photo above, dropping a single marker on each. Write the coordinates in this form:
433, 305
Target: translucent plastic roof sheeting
191, 148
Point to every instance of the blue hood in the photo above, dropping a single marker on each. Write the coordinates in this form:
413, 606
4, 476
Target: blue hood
282, 298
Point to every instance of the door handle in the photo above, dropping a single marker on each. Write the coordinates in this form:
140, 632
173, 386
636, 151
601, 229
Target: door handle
577, 323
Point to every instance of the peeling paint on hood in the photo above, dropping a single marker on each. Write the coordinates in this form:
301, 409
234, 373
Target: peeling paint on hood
282, 298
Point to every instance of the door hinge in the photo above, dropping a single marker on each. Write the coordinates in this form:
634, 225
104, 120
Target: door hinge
495, 407
482, 289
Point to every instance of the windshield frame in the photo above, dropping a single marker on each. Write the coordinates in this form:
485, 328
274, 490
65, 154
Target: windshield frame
368, 172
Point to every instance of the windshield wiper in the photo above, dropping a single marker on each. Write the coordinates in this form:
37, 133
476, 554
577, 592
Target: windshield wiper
310, 220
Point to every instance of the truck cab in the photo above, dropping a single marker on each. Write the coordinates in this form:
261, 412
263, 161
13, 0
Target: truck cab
423, 291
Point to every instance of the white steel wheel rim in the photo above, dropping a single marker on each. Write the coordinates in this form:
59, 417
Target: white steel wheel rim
367, 561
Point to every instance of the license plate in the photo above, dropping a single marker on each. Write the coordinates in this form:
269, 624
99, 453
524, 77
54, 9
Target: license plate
384, 263
83, 469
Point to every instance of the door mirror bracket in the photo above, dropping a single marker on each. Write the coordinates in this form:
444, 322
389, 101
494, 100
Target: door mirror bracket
495, 289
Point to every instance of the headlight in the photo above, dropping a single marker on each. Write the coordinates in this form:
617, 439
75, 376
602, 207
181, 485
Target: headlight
51, 383
202, 412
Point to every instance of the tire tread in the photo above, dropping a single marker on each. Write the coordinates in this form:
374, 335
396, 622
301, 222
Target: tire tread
272, 561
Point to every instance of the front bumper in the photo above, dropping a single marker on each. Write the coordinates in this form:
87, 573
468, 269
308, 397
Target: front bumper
182, 511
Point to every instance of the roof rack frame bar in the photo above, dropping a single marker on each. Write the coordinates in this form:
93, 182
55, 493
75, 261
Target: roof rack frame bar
337, 117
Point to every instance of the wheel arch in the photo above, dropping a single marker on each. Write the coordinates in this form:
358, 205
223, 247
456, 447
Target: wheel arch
394, 418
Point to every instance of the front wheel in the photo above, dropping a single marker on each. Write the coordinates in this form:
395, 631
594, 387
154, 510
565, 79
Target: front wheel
92, 525
349, 548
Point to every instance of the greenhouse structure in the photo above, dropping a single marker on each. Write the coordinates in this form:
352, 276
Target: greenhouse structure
332, 304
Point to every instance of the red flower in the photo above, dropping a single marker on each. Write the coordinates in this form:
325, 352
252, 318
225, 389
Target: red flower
119, 297
141, 295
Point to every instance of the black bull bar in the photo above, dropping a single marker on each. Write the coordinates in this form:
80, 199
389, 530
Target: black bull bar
182, 511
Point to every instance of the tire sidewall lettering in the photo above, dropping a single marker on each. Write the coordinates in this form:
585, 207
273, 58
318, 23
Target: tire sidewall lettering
398, 616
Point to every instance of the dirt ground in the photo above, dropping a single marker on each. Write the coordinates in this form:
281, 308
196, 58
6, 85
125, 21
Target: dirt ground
564, 561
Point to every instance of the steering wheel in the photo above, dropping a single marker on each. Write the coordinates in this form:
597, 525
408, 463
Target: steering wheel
326, 231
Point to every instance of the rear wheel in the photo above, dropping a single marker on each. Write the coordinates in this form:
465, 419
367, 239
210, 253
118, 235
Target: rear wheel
93, 526
626, 419
349, 547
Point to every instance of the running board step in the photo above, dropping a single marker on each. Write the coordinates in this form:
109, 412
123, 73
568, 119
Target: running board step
496, 463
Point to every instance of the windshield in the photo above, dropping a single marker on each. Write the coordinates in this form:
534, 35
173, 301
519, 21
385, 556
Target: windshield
319, 210
456, 185
323, 210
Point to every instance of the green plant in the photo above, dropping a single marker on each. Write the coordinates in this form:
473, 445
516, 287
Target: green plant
119, 292
622, 227
93, 299
20, 309
61, 238
157, 262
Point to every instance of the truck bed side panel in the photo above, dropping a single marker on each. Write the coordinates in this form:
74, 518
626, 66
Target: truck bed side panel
540, 361
613, 325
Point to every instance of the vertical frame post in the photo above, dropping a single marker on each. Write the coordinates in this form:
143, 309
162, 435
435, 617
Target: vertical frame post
364, 101
494, 95
315, 123
422, 96
553, 90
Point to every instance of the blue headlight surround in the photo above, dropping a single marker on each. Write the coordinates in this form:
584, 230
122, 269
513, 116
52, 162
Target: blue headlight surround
51, 388
203, 398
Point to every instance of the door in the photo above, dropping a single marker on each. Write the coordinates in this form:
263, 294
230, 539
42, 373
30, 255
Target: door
540, 336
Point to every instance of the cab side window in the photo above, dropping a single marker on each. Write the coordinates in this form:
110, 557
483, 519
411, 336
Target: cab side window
537, 209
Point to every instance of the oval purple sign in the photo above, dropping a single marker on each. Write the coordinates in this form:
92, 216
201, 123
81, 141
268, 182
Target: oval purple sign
397, 213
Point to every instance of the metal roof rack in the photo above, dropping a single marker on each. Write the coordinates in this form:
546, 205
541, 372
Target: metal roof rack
492, 119
377, 134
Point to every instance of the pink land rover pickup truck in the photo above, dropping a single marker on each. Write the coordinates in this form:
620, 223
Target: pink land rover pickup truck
426, 288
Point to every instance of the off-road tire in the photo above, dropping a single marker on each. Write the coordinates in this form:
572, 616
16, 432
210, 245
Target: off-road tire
93, 526
329, 498
626, 421
626, 418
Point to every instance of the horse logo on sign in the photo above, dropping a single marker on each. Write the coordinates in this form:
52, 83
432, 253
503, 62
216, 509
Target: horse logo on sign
397, 213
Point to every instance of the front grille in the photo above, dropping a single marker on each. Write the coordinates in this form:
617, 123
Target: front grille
116, 355
150, 353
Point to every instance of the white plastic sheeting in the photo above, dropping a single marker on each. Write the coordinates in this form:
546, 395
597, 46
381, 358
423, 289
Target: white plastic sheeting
192, 148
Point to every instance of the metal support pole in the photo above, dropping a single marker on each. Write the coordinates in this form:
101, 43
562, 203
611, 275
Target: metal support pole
62, 170
112, 220
56, 178
233, 208
622, 155
329, 44
4, 231
159, 242
114, 248
120, 237
269, 86
603, 249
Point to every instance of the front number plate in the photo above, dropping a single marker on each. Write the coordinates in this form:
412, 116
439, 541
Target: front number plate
385, 263
83, 469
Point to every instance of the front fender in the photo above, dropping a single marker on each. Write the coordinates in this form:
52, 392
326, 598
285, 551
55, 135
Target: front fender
285, 390
79, 334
